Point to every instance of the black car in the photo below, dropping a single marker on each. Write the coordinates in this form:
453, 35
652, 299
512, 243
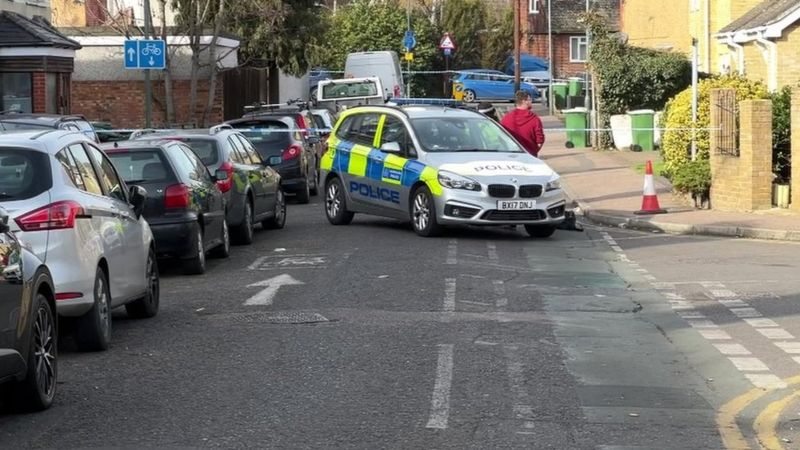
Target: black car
252, 189
280, 135
74, 122
184, 206
28, 324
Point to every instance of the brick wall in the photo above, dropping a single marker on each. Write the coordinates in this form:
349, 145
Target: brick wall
743, 183
795, 188
39, 103
122, 102
536, 44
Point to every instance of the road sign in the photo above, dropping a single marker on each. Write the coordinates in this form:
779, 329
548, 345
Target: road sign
448, 52
145, 54
447, 43
409, 56
409, 40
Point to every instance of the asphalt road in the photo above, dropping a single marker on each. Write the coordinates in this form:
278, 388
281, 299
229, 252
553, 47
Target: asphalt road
367, 336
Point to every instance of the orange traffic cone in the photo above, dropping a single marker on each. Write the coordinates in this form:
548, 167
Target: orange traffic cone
650, 199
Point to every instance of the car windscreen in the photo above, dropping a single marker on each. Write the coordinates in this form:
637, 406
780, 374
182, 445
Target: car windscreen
10, 126
268, 137
463, 134
141, 166
24, 174
205, 149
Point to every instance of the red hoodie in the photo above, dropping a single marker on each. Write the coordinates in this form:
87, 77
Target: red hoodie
526, 127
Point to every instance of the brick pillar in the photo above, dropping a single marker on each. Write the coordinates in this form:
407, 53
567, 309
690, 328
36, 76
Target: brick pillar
39, 101
755, 153
795, 145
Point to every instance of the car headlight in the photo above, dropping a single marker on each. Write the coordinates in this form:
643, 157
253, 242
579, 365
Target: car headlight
553, 184
455, 181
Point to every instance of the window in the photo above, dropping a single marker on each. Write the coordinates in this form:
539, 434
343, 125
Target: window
141, 166
394, 130
185, 166
343, 132
23, 174
533, 6
199, 169
461, 134
237, 153
363, 130
16, 92
90, 182
252, 155
577, 49
51, 94
108, 175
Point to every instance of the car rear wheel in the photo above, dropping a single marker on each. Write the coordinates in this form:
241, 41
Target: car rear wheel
314, 190
147, 306
540, 231
223, 250
278, 219
244, 232
94, 327
469, 96
304, 194
37, 390
196, 265
423, 213
335, 203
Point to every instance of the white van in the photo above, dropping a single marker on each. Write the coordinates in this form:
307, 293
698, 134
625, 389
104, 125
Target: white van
384, 65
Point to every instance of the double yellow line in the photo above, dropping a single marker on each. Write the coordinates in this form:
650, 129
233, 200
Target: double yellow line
765, 424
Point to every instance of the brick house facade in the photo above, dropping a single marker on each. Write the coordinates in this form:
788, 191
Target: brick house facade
569, 38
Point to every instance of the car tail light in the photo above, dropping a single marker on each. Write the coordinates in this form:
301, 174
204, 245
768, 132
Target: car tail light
301, 123
292, 152
55, 216
225, 185
68, 295
176, 196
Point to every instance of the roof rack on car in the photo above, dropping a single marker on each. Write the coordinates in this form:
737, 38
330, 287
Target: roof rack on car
217, 128
144, 131
427, 102
256, 107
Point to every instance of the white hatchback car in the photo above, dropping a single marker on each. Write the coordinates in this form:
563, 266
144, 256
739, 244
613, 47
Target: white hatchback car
68, 203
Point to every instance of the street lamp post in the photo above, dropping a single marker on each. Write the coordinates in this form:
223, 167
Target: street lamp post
516, 46
148, 88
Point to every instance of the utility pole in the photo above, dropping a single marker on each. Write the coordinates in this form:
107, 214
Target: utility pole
550, 57
408, 50
694, 98
148, 88
516, 46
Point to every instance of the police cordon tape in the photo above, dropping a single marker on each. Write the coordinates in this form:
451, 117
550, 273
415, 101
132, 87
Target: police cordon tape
479, 71
193, 131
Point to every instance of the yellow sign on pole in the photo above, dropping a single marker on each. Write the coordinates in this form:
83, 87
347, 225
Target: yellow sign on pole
409, 56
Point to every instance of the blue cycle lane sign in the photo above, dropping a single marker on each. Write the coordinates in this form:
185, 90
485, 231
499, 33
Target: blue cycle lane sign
145, 54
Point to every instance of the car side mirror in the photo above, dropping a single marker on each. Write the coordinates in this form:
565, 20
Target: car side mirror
391, 147
221, 175
313, 139
274, 160
137, 196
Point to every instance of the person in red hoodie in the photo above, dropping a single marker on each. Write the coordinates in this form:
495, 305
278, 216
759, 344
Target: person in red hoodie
524, 124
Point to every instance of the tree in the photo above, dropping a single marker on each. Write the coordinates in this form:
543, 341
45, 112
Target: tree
465, 20
499, 41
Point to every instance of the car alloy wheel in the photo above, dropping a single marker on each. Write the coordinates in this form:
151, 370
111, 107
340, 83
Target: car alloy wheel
196, 265
469, 96
333, 200
103, 313
44, 350
423, 213
147, 306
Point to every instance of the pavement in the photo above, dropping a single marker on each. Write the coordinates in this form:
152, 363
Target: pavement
607, 190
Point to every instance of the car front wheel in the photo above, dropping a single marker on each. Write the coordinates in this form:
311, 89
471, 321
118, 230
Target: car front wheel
335, 203
469, 96
423, 213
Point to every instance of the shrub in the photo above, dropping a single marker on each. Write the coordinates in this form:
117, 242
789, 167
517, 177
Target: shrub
693, 178
676, 144
781, 134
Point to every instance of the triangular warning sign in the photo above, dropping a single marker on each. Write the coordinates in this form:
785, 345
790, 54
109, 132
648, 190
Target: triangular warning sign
447, 42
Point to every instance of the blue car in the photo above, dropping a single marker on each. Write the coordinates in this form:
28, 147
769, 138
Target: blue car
486, 84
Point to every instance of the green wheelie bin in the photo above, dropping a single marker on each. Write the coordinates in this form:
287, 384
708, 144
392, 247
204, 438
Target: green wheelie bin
642, 125
577, 121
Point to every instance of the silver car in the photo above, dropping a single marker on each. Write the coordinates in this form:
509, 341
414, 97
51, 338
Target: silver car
68, 204
436, 166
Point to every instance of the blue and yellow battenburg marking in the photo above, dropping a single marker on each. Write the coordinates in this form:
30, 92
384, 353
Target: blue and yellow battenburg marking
363, 161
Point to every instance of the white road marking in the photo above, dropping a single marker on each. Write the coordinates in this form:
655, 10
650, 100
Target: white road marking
492, 249
449, 295
711, 284
681, 305
789, 347
452, 252
734, 303
663, 285
467, 275
761, 323
746, 312
474, 303
766, 381
440, 401
712, 335
749, 364
673, 296
732, 349
299, 261
642, 271
271, 286
500, 291
486, 343
775, 333
617, 248
516, 377
722, 293
649, 277
702, 324
796, 359
691, 314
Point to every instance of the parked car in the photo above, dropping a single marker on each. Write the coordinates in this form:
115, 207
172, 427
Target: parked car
325, 120
28, 324
280, 133
17, 121
185, 207
252, 189
384, 65
479, 85
77, 216
316, 75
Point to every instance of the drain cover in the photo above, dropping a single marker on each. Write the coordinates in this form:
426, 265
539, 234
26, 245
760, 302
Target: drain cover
286, 318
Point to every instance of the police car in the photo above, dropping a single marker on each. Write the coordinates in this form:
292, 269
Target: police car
436, 166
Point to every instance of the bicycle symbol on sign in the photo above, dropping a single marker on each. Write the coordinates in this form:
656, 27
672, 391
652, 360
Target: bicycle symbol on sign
151, 49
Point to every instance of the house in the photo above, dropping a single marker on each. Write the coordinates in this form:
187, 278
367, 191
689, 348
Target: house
27, 8
569, 43
764, 42
648, 24
36, 64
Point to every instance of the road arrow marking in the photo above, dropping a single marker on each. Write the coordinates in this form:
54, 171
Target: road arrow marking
131, 54
271, 287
